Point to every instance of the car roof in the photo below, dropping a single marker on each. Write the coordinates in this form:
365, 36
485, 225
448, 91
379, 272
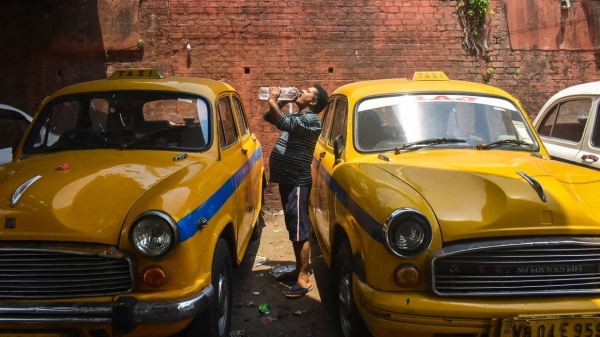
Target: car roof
358, 90
201, 86
12, 108
590, 88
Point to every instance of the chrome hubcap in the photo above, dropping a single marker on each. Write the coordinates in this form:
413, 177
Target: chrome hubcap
223, 303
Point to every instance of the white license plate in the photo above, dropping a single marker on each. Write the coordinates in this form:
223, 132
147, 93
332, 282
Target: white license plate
551, 327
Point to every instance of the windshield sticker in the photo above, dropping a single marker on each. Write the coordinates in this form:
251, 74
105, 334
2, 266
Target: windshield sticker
522, 130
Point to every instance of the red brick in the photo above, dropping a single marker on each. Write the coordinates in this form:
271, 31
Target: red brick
380, 39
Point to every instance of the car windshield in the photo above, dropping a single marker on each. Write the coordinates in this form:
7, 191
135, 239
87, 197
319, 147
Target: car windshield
458, 121
123, 120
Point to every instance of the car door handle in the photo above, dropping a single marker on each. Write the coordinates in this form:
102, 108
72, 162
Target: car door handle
322, 155
244, 151
590, 158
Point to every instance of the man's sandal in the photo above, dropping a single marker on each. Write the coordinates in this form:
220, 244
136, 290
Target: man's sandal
297, 292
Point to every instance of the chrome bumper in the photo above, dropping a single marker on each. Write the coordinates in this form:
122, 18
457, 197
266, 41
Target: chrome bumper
123, 314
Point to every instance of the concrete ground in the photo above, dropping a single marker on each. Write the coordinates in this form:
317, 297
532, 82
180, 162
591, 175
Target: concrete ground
311, 315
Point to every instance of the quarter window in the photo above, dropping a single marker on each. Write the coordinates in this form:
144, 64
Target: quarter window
327, 118
227, 130
339, 120
567, 121
241, 116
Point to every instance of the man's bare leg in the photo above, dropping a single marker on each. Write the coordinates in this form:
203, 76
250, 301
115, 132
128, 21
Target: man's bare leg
302, 252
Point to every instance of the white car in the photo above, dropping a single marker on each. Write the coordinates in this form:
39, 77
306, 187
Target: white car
13, 124
569, 125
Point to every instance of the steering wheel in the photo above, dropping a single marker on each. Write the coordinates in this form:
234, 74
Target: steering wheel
76, 134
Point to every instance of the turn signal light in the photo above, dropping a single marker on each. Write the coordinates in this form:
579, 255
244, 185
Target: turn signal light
154, 276
407, 275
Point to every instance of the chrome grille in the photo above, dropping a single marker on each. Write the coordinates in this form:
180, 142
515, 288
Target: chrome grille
539, 266
33, 273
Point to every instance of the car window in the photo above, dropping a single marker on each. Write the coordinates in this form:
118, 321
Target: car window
122, 119
545, 128
327, 119
227, 130
62, 118
567, 120
13, 126
596, 135
98, 109
241, 116
339, 120
384, 123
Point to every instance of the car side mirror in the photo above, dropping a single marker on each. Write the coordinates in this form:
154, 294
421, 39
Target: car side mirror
338, 148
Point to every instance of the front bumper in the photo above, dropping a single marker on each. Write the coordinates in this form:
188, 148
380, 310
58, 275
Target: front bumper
124, 315
428, 315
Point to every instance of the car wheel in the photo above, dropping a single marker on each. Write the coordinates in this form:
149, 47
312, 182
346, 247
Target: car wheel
350, 324
257, 231
215, 321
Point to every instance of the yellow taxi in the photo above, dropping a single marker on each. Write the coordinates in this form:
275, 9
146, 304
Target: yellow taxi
441, 214
125, 208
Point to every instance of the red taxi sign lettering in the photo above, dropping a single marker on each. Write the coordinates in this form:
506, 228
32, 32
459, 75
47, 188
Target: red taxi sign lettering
136, 73
429, 76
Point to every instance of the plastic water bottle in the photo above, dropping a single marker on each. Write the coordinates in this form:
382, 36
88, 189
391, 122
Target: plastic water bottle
286, 94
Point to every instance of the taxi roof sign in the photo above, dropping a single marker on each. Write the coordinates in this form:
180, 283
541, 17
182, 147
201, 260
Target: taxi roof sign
429, 76
136, 73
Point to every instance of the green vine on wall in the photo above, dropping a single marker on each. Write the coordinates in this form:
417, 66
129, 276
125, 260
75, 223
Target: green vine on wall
472, 15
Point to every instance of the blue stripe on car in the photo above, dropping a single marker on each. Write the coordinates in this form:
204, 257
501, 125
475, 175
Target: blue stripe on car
370, 225
188, 224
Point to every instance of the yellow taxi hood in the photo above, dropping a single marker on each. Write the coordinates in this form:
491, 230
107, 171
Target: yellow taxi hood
486, 193
83, 197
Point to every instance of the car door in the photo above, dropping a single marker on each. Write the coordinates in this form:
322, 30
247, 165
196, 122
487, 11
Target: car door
328, 184
590, 148
563, 125
233, 156
252, 152
12, 129
319, 191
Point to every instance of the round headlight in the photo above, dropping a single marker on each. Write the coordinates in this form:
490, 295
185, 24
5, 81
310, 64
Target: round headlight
154, 235
407, 232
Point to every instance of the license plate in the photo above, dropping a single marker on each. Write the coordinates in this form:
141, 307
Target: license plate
551, 327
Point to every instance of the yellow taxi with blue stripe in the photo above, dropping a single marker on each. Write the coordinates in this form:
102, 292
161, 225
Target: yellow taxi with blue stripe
441, 214
125, 208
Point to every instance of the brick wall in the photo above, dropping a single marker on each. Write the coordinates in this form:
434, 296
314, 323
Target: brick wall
250, 43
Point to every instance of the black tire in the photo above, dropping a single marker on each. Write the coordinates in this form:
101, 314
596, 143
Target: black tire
349, 322
215, 321
257, 231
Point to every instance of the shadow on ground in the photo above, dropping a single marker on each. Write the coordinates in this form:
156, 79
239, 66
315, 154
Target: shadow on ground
311, 315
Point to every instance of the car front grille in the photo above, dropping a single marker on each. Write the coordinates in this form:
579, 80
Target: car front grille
540, 266
48, 273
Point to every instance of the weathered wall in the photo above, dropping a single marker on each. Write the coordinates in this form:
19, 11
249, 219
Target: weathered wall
248, 43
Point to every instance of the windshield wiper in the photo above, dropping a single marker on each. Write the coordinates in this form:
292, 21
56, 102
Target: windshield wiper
152, 134
429, 141
502, 142
85, 141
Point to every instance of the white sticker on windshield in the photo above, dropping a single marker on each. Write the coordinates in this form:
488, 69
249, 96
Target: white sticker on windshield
522, 130
412, 99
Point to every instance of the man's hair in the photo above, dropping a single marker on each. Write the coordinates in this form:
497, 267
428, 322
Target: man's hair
321, 98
